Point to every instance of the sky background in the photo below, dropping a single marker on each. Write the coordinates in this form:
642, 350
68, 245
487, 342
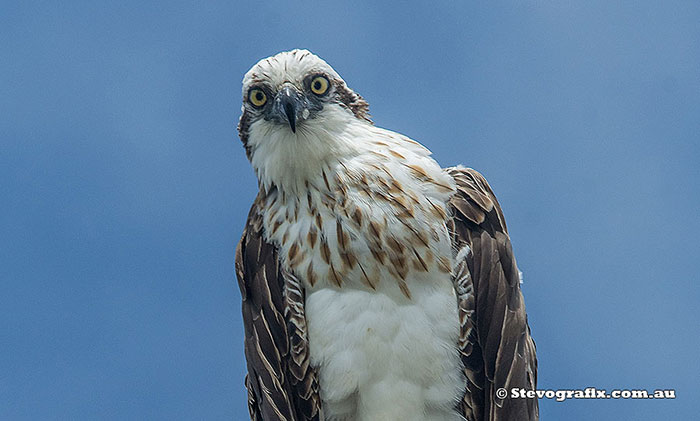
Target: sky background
124, 187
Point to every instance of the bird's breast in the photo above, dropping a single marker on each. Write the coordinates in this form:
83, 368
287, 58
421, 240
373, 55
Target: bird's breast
362, 227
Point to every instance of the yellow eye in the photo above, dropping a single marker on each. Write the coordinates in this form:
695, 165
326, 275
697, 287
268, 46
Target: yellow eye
319, 85
257, 97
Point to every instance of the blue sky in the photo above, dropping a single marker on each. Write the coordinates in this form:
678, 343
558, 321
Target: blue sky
125, 188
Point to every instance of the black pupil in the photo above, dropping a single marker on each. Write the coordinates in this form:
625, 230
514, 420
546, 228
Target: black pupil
258, 96
317, 85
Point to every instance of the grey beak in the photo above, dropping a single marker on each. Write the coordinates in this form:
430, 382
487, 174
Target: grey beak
290, 103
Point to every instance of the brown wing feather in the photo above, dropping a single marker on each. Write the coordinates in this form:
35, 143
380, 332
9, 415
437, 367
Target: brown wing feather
495, 343
281, 384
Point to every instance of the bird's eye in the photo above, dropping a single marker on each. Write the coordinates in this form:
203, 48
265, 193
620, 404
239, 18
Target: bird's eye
257, 97
319, 85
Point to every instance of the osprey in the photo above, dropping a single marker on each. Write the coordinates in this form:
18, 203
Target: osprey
376, 285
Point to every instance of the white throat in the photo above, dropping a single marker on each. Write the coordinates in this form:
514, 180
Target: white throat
291, 160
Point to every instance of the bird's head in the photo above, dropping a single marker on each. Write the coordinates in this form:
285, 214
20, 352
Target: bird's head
297, 114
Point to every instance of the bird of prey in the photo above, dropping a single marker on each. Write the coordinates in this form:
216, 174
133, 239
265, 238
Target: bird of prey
376, 285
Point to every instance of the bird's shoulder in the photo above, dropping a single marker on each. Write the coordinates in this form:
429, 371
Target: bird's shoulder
474, 202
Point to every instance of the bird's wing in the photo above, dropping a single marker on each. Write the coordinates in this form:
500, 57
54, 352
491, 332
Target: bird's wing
281, 383
495, 343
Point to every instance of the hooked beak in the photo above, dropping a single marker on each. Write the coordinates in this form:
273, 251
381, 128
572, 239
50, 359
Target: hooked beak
290, 103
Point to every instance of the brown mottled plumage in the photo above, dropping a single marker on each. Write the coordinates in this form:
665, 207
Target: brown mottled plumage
495, 343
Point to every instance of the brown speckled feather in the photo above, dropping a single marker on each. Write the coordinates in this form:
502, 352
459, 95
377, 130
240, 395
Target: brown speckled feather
495, 343
281, 384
